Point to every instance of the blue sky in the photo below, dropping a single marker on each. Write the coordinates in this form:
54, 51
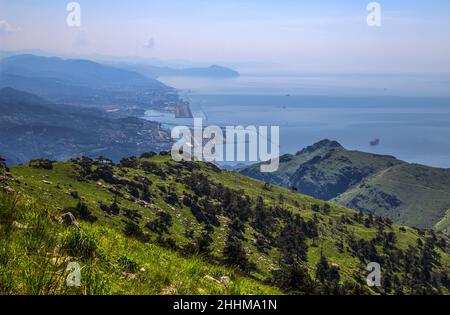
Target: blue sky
289, 35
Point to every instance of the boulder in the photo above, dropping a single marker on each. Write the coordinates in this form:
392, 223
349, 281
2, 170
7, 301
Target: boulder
8, 190
69, 219
224, 280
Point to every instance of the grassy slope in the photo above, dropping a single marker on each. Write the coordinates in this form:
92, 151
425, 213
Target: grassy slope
34, 261
328, 237
167, 271
424, 192
444, 224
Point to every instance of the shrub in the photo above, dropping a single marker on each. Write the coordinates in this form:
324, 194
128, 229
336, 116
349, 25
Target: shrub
130, 162
133, 229
128, 264
82, 211
294, 278
74, 195
3, 164
161, 224
42, 163
171, 198
83, 166
8, 211
133, 215
104, 172
80, 244
152, 167
113, 209
147, 155
267, 186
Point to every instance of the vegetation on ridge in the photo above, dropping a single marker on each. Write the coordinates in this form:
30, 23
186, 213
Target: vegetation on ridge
408, 194
152, 225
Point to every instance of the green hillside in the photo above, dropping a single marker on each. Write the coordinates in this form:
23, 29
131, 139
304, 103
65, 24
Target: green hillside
154, 226
423, 195
408, 194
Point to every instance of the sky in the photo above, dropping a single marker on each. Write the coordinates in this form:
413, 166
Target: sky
286, 35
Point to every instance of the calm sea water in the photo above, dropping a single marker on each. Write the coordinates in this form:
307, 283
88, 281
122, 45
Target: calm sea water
414, 128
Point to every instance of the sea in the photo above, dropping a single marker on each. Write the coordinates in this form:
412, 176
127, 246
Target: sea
406, 116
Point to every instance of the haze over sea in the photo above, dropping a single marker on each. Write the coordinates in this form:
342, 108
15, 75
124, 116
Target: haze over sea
409, 114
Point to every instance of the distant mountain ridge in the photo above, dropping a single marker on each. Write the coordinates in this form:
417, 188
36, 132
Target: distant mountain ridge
410, 194
77, 71
79, 82
213, 71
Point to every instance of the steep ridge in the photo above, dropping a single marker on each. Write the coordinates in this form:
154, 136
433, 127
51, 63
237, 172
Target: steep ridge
411, 194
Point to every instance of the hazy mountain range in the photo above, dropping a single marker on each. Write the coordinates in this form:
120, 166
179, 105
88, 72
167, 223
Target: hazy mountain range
213, 71
79, 82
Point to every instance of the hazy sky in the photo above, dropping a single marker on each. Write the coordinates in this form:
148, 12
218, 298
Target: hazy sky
314, 36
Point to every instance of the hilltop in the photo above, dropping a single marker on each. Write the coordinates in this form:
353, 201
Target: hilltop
152, 225
409, 194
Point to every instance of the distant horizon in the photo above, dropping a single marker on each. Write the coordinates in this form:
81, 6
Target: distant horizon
182, 64
262, 36
274, 82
